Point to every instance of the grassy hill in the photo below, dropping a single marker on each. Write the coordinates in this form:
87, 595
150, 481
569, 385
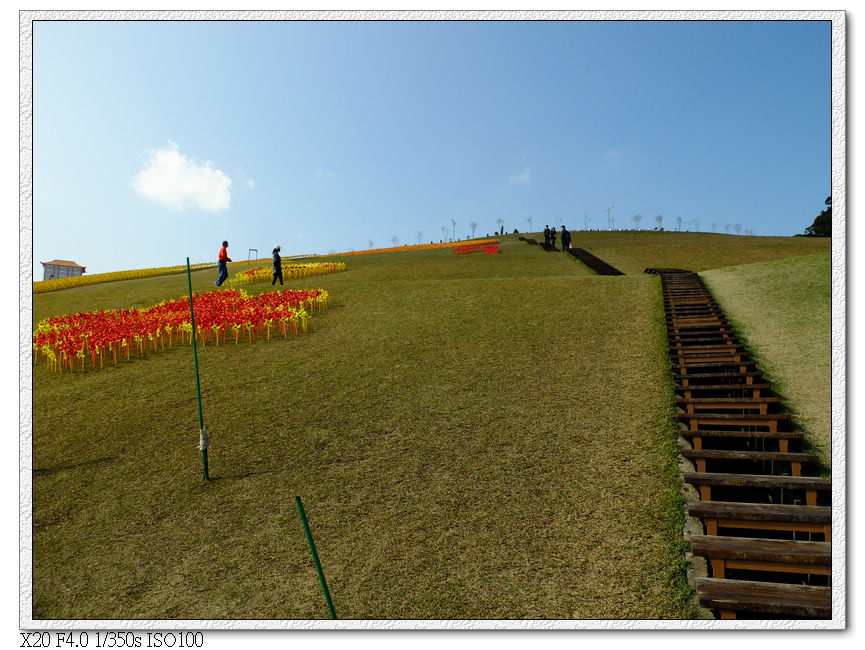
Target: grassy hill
478, 436
783, 309
633, 251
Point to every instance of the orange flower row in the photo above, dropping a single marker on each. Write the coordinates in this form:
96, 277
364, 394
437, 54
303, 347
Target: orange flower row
416, 247
474, 249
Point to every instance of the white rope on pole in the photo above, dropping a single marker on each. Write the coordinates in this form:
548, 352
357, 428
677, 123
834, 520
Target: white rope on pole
204, 442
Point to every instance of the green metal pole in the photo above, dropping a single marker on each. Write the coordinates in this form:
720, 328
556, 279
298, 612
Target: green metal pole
315, 557
197, 380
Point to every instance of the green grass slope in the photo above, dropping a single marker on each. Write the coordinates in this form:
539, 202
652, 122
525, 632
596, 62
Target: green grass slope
633, 251
782, 309
480, 436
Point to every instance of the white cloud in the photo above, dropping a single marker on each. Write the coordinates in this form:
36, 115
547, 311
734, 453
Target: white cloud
250, 183
523, 177
178, 182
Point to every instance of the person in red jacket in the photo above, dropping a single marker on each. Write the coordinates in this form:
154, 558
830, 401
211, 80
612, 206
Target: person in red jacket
223, 261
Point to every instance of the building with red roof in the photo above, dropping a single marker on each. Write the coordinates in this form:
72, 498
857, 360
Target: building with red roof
61, 269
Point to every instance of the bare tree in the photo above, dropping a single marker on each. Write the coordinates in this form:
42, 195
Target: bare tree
454, 234
473, 225
696, 225
501, 222
609, 220
419, 236
530, 219
586, 222
395, 240
371, 243
749, 233
727, 228
659, 218
558, 221
714, 226
679, 223
738, 228
445, 232
636, 219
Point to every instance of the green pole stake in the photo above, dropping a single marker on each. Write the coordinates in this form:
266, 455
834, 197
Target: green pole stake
315, 557
205, 438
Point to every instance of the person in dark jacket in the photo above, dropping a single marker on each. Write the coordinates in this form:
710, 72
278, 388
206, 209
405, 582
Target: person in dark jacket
277, 266
566, 239
553, 237
547, 235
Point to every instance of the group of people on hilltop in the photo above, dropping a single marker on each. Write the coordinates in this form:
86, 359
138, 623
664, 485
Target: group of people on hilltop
224, 259
550, 238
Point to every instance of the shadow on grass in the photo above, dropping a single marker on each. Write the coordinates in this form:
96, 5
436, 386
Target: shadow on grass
236, 477
50, 471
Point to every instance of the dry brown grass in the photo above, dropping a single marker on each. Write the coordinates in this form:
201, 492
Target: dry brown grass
782, 309
472, 436
633, 251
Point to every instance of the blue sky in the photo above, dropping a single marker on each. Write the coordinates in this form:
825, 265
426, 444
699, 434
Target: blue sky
154, 141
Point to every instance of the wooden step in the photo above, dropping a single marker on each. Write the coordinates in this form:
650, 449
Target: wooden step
721, 387
769, 420
702, 325
758, 480
696, 405
795, 459
714, 433
703, 353
749, 390
783, 437
691, 308
731, 596
758, 516
719, 341
708, 332
705, 345
714, 364
728, 400
688, 299
697, 357
678, 378
673, 310
691, 404
679, 323
756, 554
705, 481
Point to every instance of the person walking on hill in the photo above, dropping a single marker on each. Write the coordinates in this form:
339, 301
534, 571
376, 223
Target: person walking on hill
566, 239
546, 235
223, 261
553, 238
277, 266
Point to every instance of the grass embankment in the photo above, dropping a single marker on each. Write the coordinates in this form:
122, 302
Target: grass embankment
782, 309
478, 436
633, 251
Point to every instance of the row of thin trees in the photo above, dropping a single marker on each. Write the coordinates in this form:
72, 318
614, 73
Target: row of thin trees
449, 233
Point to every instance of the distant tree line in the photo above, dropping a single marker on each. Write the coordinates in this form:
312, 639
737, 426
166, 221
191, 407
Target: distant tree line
822, 226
